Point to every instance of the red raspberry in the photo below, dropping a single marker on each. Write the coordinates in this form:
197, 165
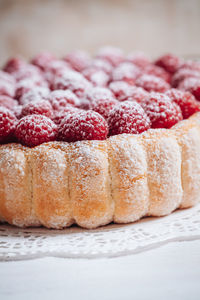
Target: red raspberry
73, 81
113, 55
42, 60
17, 111
54, 69
191, 85
14, 64
28, 72
163, 113
139, 59
97, 93
7, 125
158, 72
26, 85
169, 62
34, 130
128, 117
78, 60
102, 64
96, 76
185, 100
36, 94
85, 125
121, 89
183, 73
103, 107
60, 99
152, 83
126, 72
8, 102
42, 107
60, 115
7, 84
192, 65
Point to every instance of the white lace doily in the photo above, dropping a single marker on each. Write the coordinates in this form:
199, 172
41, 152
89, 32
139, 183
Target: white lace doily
111, 240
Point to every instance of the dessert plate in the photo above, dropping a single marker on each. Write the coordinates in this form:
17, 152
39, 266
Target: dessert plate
109, 241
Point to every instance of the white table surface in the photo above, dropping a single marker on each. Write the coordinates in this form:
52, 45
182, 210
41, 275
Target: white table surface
170, 272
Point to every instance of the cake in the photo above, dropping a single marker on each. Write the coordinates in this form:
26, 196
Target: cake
90, 141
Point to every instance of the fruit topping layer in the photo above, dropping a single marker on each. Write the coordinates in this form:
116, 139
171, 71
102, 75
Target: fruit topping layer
79, 97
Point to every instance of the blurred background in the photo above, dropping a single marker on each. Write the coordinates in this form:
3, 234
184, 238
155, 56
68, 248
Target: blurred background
153, 26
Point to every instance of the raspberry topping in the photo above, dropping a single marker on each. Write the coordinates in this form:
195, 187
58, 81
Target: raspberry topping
96, 76
73, 81
7, 84
128, 117
7, 125
59, 99
36, 94
103, 107
8, 102
185, 100
112, 54
152, 83
171, 63
26, 85
158, 72
85, 125
163, 113
99, 93
183, 73
139, 59
34, 130
14, 64
102, 64
60, 115
126, 72
78, 60
42, 60
191, 85
42, 107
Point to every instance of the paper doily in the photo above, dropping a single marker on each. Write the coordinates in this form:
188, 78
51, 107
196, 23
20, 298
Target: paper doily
109, 241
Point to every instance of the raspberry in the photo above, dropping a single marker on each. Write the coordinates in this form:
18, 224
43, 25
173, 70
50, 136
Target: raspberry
139, 59
97, 93
7, 125
28, 71
126, 72
192, 65
182, 74
60, 99
163, 113
8, 102
185, 100
36, 94
14, 64
152, 83
34, 130
78, 60
42, 60
41, 107
103, 107
158, 72
121, 89
54, 69
128, 117
102, 64
26, 85
73, 81
113, 55
7, 84
85, 125
169, 62
60, 115
191, 85
96, 76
